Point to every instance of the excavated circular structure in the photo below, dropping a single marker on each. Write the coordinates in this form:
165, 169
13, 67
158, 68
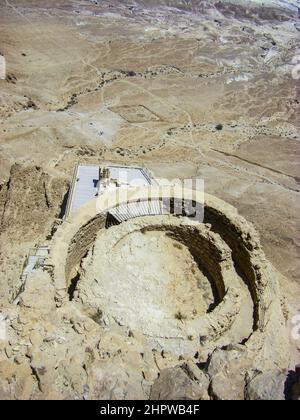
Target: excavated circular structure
246, 309
167, 278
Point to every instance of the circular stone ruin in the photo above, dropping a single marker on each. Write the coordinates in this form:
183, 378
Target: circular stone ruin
187, 287
167, 278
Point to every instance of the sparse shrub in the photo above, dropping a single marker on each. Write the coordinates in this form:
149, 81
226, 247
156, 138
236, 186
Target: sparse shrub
180, 316
97, 317
202, 340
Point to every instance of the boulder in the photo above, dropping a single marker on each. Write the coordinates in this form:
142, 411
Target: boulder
227, 370
269, 385
39, 292
176, 384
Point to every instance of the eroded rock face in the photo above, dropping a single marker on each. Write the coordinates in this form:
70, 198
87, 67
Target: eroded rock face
39, 293
175, 384
227, 370
269, 385
28, 200
64, 354
16, 380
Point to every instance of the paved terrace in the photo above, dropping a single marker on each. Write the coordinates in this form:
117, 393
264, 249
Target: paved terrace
86, 187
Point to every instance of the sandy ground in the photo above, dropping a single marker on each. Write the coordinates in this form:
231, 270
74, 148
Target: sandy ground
188, 91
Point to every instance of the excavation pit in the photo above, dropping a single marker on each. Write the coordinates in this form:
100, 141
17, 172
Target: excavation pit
146, 280
161, 276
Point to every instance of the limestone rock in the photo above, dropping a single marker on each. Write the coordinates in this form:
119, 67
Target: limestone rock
227, 369
40, 194
44, 370
16, 381
115, 381
175, 384
269, 385
39, 292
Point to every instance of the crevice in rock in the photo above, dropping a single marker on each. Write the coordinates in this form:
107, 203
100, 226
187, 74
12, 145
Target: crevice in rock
211, 393
73, 286
36, 377
48, 204
8, 186
63, 207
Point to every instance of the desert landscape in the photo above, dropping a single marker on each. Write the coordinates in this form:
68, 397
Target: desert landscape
188, 90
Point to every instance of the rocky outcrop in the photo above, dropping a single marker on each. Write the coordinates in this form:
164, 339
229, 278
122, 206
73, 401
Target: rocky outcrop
29, 200
269, 385
39, 293
176, 384
227, 369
